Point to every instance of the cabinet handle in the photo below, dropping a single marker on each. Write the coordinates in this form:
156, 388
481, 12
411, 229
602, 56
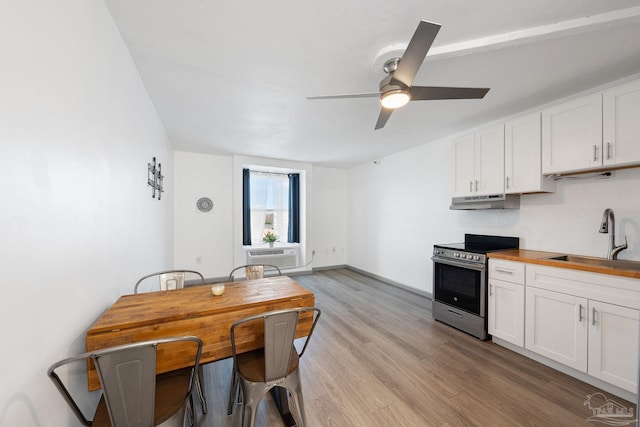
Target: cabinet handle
609, 145
507, 183
476, 185
595, 153
593, 317
580, 317
490, 289
502, 270
470, 186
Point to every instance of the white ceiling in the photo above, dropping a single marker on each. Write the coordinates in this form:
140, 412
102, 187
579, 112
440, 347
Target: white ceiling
232, 76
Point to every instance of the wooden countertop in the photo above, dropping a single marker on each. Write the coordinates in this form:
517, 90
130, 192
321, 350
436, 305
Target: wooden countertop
542, 258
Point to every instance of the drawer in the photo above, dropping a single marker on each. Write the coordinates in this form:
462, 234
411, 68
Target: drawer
509, 271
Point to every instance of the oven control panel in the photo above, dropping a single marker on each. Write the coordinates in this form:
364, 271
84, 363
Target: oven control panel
461, 255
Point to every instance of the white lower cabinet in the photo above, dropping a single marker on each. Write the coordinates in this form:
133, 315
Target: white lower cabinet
587, 321
506, 301
506, 311
613, 356
556, 327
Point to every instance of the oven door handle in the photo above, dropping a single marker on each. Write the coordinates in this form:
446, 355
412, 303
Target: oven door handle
471, 266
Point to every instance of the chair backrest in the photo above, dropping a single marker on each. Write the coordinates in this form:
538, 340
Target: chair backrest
279, 334
255, 271
128, 377
170, 279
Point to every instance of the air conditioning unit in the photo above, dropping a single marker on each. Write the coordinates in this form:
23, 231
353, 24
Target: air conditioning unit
282, 258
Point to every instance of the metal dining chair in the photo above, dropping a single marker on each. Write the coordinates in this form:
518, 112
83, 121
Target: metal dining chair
133, 393
255, 271
170, 279
175, 279
276, 364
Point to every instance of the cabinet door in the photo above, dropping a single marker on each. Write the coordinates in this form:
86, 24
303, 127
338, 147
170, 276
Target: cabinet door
556, 327
572, 135
506, 311
489, 161
463, 165
613, 344
522, 156
621, 126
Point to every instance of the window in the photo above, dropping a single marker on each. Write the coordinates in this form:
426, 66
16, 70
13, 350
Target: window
270, 204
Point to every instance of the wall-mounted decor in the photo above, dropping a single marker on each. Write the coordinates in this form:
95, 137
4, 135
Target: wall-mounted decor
155, 178
204, 204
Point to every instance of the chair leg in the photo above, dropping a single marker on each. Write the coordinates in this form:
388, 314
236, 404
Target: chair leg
233, 391
294, 386
200, 389
252, 394
189, 411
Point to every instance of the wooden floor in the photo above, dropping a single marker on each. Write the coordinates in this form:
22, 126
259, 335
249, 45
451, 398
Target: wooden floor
377, 358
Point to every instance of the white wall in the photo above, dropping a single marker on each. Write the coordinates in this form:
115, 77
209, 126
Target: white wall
400, 208
78, 224
329, 217
210, 236
203, 241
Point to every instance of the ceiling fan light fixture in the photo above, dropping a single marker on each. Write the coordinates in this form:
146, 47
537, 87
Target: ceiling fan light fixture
395, 98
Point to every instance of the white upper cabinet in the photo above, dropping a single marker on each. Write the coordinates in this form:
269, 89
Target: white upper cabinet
621, 125
463, 165
478, 162
598, 131
572, 135
522, 157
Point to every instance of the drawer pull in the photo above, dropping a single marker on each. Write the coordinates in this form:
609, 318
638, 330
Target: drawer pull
504, 271
454, 313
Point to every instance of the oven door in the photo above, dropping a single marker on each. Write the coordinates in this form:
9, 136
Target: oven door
460, 284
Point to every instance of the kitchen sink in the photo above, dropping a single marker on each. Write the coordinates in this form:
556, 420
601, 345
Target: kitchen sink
600, 262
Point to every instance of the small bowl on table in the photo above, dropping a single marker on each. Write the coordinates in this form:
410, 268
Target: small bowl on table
217, 289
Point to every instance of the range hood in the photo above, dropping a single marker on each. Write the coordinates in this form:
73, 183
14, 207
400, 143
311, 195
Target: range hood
491, 201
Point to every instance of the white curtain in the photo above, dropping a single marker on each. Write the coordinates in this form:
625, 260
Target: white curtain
269, 195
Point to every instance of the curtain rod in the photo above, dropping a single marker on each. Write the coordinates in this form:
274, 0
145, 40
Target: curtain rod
273, 173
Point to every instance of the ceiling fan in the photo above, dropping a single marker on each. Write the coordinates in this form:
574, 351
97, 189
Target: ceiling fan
396, 90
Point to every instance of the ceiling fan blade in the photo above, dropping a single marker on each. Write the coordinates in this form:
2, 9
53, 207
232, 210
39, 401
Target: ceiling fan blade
421, 93
351, 95
385, 113
416, 51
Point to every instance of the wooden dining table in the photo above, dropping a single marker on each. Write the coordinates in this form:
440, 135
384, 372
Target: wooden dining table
196, 311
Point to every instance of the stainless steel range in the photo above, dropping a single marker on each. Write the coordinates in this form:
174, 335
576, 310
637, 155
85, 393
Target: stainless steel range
460, 281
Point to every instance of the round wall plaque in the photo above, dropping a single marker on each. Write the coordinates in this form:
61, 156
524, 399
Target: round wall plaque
204, 204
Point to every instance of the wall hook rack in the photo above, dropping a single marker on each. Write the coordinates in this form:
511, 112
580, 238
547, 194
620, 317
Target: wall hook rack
155, 178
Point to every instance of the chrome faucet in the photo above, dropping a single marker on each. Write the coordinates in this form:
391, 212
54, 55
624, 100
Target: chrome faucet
604, 228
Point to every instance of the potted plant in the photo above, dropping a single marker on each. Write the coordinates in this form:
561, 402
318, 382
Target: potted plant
269, 237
